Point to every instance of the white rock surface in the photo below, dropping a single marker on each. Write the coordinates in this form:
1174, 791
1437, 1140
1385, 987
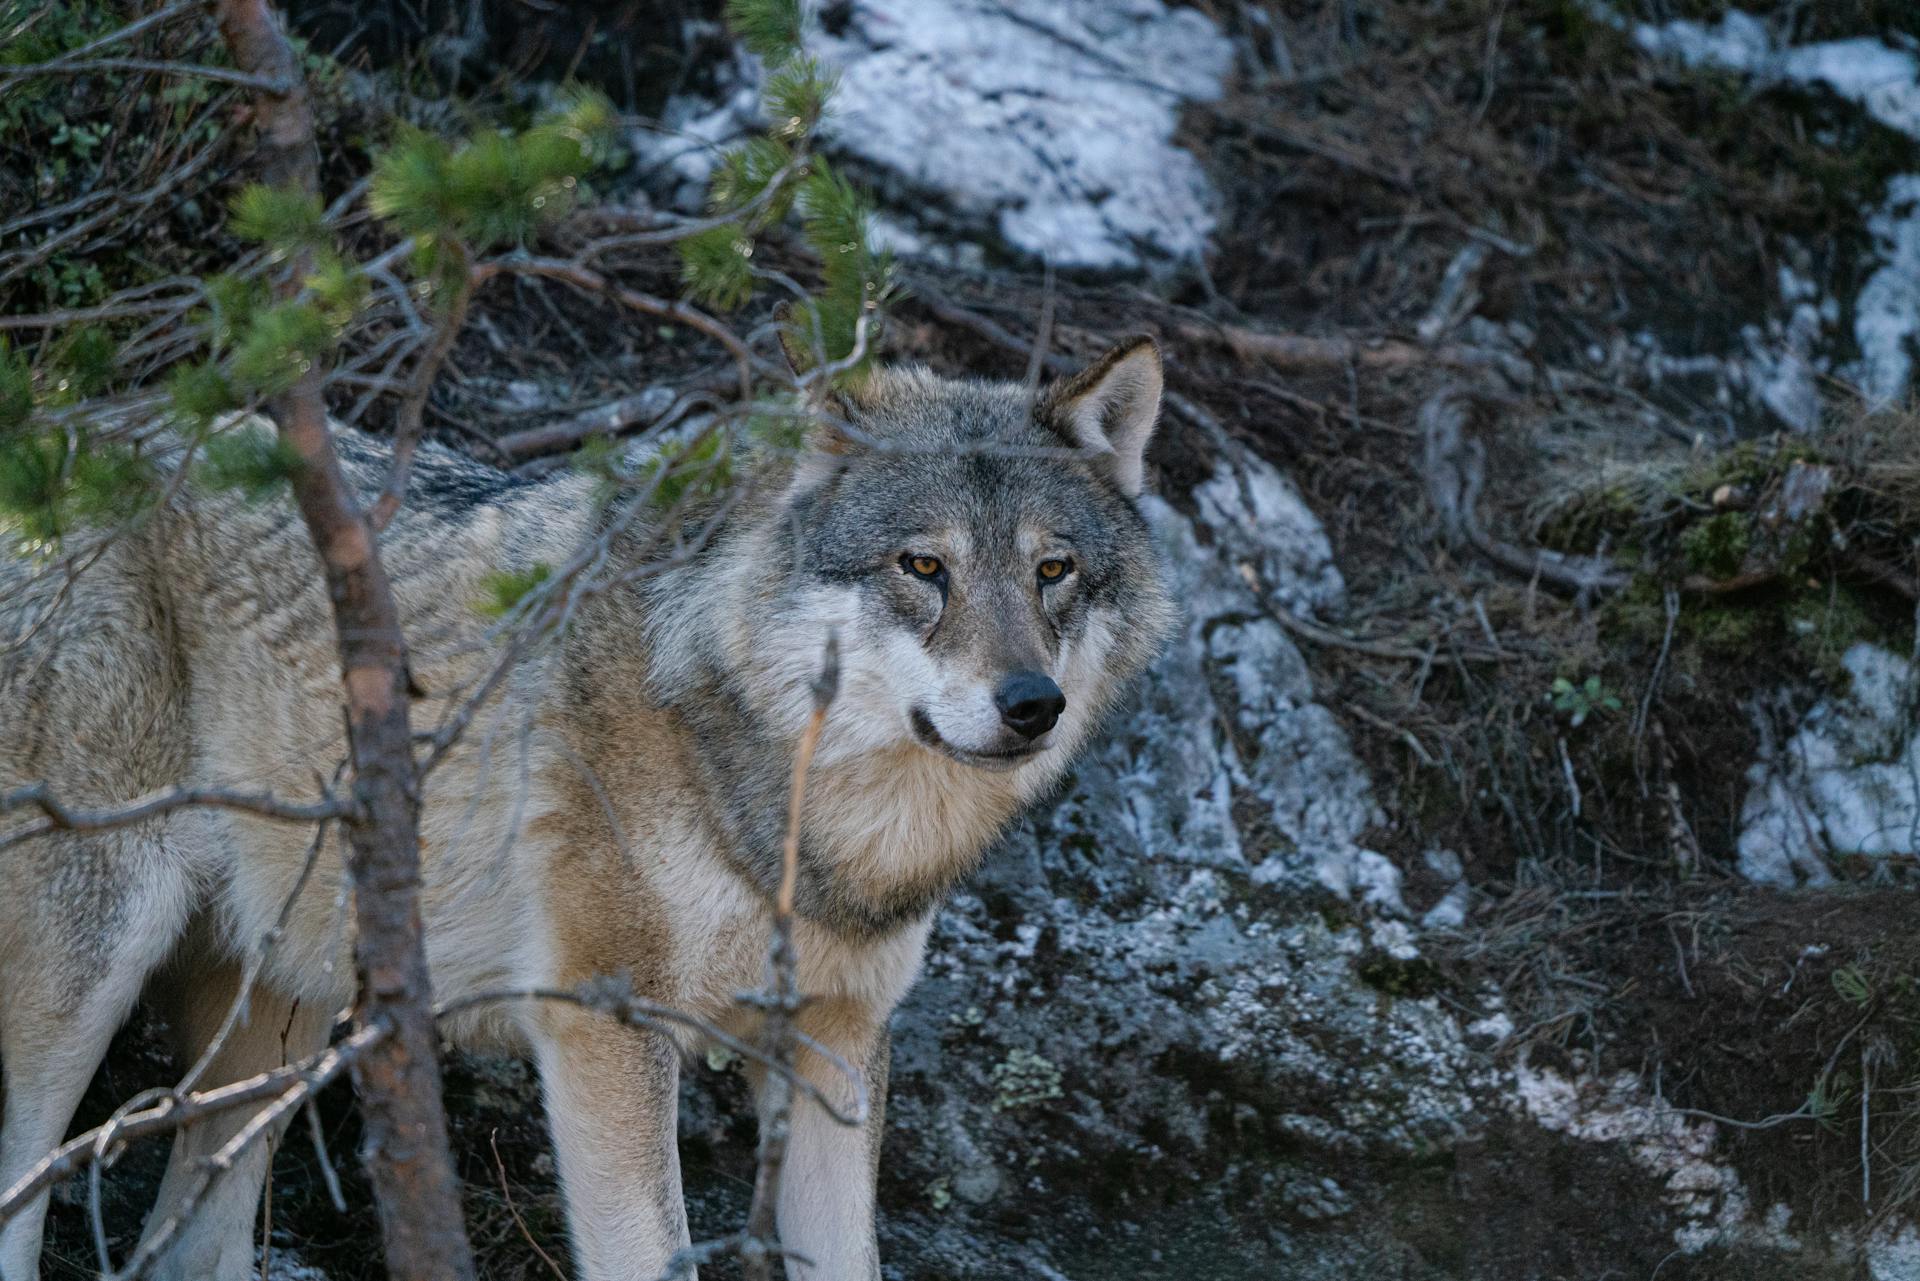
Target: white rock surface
1706, 1194
1846, 782
1044, 125
1050, 120
1884, 81
1886, 314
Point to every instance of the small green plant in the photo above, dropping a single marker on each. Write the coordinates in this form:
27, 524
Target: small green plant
1829, 1095
1853, 985
1716, 546
1580, 702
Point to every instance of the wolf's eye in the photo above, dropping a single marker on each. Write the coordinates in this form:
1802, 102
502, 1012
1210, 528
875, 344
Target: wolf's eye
1052, 571
922, 566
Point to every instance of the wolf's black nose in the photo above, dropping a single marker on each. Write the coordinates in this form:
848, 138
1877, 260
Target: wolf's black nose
1029, 703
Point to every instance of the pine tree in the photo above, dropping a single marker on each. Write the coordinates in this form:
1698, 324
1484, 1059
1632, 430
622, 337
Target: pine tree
455, 201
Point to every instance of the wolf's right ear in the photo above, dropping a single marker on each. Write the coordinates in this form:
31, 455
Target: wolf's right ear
1110, 407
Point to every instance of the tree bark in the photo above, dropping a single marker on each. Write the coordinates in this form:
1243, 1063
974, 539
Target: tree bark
406, 1149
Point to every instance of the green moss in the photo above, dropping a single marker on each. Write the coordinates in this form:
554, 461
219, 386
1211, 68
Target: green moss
1748, 465
1384, 972
1725, 630
1716, 546
1636, 615
1822, 625
1023, 1078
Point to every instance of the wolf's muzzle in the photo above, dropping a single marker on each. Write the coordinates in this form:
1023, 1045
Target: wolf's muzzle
1030, 703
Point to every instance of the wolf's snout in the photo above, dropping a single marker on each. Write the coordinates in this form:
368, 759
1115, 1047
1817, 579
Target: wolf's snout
1029, 703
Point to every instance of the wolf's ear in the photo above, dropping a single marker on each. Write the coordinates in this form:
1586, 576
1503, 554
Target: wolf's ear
1110, 407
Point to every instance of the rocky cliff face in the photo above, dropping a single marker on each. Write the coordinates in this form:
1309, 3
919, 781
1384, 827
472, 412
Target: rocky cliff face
1185, 1022
1184, 1025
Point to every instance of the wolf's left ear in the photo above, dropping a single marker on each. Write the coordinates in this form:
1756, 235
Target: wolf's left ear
1110, 407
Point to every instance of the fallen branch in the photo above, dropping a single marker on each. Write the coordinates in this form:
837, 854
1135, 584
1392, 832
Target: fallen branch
638, 233
1315, 634
105, 311
1455, 465
1878, 571
1306, 353
82, 67
654, 408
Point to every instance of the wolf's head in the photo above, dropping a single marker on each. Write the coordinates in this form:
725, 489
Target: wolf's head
979, 551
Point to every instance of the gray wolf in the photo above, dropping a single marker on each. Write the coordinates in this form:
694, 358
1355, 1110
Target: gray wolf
617, 808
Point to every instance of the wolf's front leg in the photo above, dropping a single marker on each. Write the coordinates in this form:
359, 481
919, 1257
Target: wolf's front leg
612, 1095
827, 1186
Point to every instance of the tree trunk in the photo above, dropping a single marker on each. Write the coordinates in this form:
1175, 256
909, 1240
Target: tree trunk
406, 1148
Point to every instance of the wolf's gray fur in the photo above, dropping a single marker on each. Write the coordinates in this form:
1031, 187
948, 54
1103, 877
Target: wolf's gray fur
618, 805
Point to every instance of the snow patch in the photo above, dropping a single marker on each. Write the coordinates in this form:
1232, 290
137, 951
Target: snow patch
1877, 77
1045, 123
1894, 1255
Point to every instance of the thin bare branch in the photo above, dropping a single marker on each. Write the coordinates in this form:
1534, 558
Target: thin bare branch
506, 1194
60, 817
652, 408
584, 277
614, 997
406, 432
261, 1124
64, 67
782, 1002
139, 26
680, 230
105, 311
171, 1114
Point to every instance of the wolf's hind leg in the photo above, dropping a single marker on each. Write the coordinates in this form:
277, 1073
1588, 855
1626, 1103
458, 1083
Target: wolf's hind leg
70, 975
216, 1242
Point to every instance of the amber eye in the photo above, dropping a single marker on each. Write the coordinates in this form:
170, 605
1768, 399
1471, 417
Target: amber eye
924, 566
1052, 571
